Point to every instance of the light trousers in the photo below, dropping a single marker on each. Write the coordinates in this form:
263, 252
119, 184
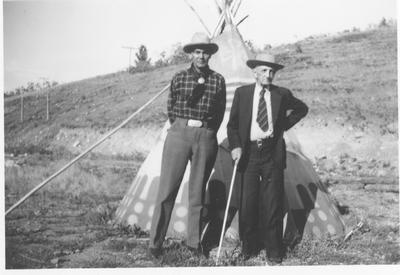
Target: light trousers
183, 143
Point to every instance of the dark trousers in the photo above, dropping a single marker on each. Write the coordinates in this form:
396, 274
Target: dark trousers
183, 144
261, 210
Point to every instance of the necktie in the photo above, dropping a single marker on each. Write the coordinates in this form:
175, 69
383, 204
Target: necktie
262, 116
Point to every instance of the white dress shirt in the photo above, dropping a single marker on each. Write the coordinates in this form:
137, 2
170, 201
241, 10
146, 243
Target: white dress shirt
256, 132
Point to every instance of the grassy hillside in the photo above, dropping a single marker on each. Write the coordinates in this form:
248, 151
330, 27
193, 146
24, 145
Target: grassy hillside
348, 80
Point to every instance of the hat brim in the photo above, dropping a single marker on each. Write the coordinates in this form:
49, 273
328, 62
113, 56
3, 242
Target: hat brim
208, 47
252, 63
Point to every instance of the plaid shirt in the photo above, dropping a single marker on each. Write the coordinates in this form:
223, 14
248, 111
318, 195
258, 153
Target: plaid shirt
191, 100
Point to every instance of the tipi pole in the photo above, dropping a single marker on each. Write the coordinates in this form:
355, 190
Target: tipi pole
198, 16
235, 10
221, 20
244, 18
226, 210
85, 152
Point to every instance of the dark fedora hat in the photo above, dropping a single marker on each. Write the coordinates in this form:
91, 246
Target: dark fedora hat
201, 40
264, 59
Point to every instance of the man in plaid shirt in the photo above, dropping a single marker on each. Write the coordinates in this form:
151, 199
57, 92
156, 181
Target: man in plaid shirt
196, 107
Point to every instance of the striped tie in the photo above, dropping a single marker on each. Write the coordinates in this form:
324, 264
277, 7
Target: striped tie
262, 116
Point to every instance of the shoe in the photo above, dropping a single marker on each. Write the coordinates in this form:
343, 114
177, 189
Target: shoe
205, 249
206, 253
248, 254
155, 252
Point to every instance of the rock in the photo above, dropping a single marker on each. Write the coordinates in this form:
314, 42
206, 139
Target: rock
10, 163
358, 134
57, 253
55, 261
392, 128
328, 165
381, 173
344, 155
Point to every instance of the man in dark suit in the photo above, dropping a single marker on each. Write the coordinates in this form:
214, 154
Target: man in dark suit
260, 114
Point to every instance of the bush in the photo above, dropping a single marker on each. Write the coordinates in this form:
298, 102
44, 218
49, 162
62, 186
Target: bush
178, 56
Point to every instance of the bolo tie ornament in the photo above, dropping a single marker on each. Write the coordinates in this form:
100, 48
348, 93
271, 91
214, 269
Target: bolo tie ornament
197, 92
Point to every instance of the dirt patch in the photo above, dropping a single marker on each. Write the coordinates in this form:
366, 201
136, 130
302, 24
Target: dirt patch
125, 142
62, 227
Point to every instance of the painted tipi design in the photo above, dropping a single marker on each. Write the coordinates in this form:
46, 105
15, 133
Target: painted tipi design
309, 209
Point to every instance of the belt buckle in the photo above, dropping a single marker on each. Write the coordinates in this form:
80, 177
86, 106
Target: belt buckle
194, 123
259, 143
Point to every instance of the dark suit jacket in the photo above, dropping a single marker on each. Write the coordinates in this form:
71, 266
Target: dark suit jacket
282, 100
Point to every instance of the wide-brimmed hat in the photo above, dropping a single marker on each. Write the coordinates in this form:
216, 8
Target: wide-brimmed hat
264, 59
201, 40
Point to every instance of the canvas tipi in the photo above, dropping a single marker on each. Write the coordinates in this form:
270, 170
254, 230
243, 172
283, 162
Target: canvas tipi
309, 208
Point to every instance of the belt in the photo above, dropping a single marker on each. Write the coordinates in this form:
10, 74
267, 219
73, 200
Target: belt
262, 142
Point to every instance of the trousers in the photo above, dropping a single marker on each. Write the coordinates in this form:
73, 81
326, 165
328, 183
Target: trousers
261, 206
183, 144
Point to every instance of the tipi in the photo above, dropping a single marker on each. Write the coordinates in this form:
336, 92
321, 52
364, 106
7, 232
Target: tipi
309, 209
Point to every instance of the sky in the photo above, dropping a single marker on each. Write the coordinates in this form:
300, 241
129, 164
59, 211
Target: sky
67, 40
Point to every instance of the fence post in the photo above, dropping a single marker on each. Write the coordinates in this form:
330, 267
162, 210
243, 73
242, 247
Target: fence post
22, 105
47, 105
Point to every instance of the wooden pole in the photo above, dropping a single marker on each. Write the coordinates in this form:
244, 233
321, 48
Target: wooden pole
22, 105
221, 20
198, 17
218, 6
85, 152
130, 54
235, 10
47, 104
244, 18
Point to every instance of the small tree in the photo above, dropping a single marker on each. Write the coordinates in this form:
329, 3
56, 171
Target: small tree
30, 87
142, 62
383, 23
297, 48
162, 62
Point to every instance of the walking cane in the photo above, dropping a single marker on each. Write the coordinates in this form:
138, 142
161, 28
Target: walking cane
226, 210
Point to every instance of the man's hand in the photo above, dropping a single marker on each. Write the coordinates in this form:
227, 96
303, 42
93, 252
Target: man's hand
236, 153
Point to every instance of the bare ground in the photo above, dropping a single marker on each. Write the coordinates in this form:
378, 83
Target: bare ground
70, 228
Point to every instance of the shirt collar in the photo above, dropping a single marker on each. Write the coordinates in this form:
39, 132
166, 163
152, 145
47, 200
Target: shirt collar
258, 88
198, 74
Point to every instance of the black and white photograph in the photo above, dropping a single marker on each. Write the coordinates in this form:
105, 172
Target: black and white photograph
200, 136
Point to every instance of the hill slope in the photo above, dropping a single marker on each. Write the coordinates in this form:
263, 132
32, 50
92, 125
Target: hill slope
349, 82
